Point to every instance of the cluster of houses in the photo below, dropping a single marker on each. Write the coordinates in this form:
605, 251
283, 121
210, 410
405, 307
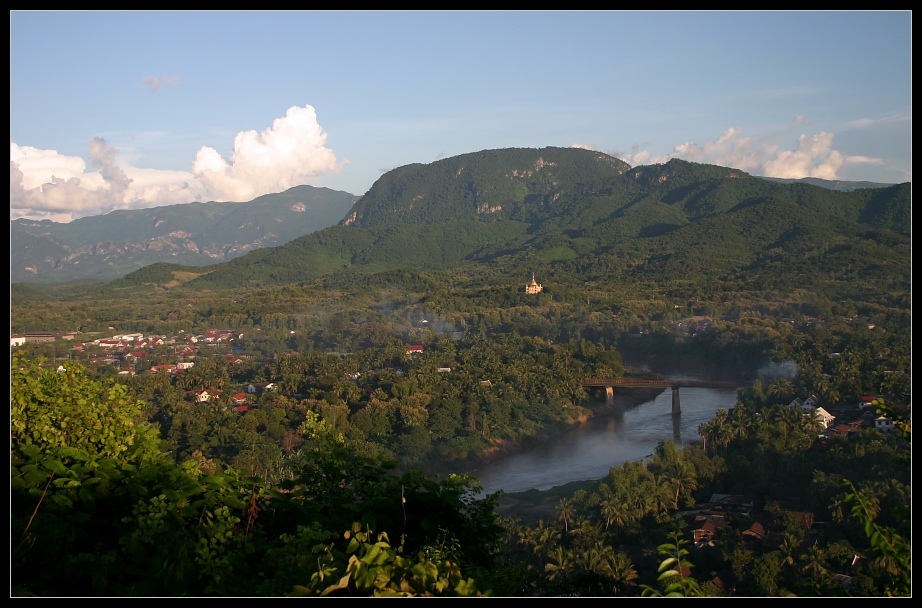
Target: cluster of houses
240, 400
118, 341
128, 348
733, 510
691, 327
124, 351
866, 418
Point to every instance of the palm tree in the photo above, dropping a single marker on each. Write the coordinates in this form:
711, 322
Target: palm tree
548, 536
718, 429
704, 431
720, 416
781, 389
641, 500
619, 567
681, 476
789, 544
565, 512
810, 424
559, 565
661, 495
814, 562
777, 414
586, 528
609, 511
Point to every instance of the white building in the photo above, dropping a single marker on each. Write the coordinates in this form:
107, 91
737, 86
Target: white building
823, 416
883, 424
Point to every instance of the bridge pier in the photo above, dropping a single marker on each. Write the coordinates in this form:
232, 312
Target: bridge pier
676, 407
609, 395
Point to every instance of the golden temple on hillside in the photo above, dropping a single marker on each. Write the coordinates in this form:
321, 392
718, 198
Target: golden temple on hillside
534, 286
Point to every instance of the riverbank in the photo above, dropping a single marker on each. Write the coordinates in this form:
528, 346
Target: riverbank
622, 401
533, 506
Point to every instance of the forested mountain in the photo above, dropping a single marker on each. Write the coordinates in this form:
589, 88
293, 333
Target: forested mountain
108, 246
513, 184
576, 211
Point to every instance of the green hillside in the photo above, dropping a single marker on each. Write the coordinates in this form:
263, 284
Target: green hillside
574, 211
511, 184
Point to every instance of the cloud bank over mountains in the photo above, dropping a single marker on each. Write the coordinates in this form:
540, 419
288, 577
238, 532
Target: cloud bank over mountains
812, 155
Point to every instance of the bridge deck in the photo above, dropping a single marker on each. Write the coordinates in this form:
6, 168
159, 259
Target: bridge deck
649, 383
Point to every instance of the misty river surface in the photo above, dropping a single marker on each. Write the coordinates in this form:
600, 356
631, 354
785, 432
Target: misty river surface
611, 438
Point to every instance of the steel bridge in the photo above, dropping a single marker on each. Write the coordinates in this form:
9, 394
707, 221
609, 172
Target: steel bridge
675, 385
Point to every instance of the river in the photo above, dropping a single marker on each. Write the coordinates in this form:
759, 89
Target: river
618, 434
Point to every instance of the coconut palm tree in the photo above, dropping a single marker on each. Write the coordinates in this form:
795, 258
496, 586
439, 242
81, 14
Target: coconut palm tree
814, 562
548, 536
681, 476
789, 546
705, 430
619, 568
565, 512
559, 564
609, 510
781, 389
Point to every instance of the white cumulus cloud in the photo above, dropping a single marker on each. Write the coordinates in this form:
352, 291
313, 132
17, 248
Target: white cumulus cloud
290, 153
47, 185
811, 156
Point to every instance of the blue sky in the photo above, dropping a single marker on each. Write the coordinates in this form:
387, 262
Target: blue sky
133, 109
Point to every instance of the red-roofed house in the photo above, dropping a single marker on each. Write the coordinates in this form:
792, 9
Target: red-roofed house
842, 429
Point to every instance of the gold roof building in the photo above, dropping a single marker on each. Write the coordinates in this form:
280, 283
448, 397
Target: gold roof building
534, 286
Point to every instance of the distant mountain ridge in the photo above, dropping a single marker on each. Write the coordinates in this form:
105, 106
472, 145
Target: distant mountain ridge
109, 246
840, 185
583, 211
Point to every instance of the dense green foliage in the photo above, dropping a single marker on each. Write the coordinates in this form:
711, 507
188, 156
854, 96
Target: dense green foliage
98, 509
272, 443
